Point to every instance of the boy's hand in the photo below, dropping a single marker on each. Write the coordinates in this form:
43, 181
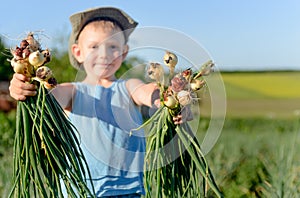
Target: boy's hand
185, 115
19, 88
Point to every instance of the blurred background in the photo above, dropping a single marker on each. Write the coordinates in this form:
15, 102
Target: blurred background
256, 47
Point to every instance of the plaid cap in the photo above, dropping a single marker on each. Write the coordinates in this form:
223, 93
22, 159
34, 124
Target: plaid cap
81, 19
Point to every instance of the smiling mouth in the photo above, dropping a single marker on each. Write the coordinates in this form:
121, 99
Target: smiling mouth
102, 65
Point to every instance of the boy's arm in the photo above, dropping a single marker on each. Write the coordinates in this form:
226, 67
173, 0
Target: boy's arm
147, 94
141, 93
63, 93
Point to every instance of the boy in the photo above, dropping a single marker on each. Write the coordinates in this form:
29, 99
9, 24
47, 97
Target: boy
101, 107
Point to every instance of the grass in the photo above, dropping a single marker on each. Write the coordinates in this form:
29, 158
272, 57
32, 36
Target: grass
258, 158
7, 130
6, 162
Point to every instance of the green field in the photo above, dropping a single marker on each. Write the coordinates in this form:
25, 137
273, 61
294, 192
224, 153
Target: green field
262, 85
260, 94
256, 154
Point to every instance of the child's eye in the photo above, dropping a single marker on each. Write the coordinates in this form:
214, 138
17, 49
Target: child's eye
95, 47
114, 47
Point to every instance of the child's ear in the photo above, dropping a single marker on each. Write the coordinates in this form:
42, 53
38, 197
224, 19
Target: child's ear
125, 51
76, 53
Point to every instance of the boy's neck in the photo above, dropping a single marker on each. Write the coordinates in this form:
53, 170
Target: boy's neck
101, 82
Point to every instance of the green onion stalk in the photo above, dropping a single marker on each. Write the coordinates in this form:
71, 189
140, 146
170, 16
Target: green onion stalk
48, 160
175, 165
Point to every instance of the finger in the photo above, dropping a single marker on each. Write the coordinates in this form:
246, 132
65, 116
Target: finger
21, 77
178, 117
177, 120
157, 103
18, 97
19, 89
186, 114
24, 89
21, 94
28, 87
17, 82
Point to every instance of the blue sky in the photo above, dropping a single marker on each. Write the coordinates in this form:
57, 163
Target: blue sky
238, 34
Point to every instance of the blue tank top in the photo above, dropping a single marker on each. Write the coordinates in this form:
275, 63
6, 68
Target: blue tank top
104, 118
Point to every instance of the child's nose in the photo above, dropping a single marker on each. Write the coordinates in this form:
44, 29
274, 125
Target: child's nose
103, 50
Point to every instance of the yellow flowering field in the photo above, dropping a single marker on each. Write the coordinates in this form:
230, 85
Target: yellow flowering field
271, 85
260, 94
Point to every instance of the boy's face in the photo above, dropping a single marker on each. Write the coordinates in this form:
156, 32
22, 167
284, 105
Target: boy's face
101, 48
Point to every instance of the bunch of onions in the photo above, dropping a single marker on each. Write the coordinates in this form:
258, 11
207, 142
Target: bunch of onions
46, 146
174, 162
